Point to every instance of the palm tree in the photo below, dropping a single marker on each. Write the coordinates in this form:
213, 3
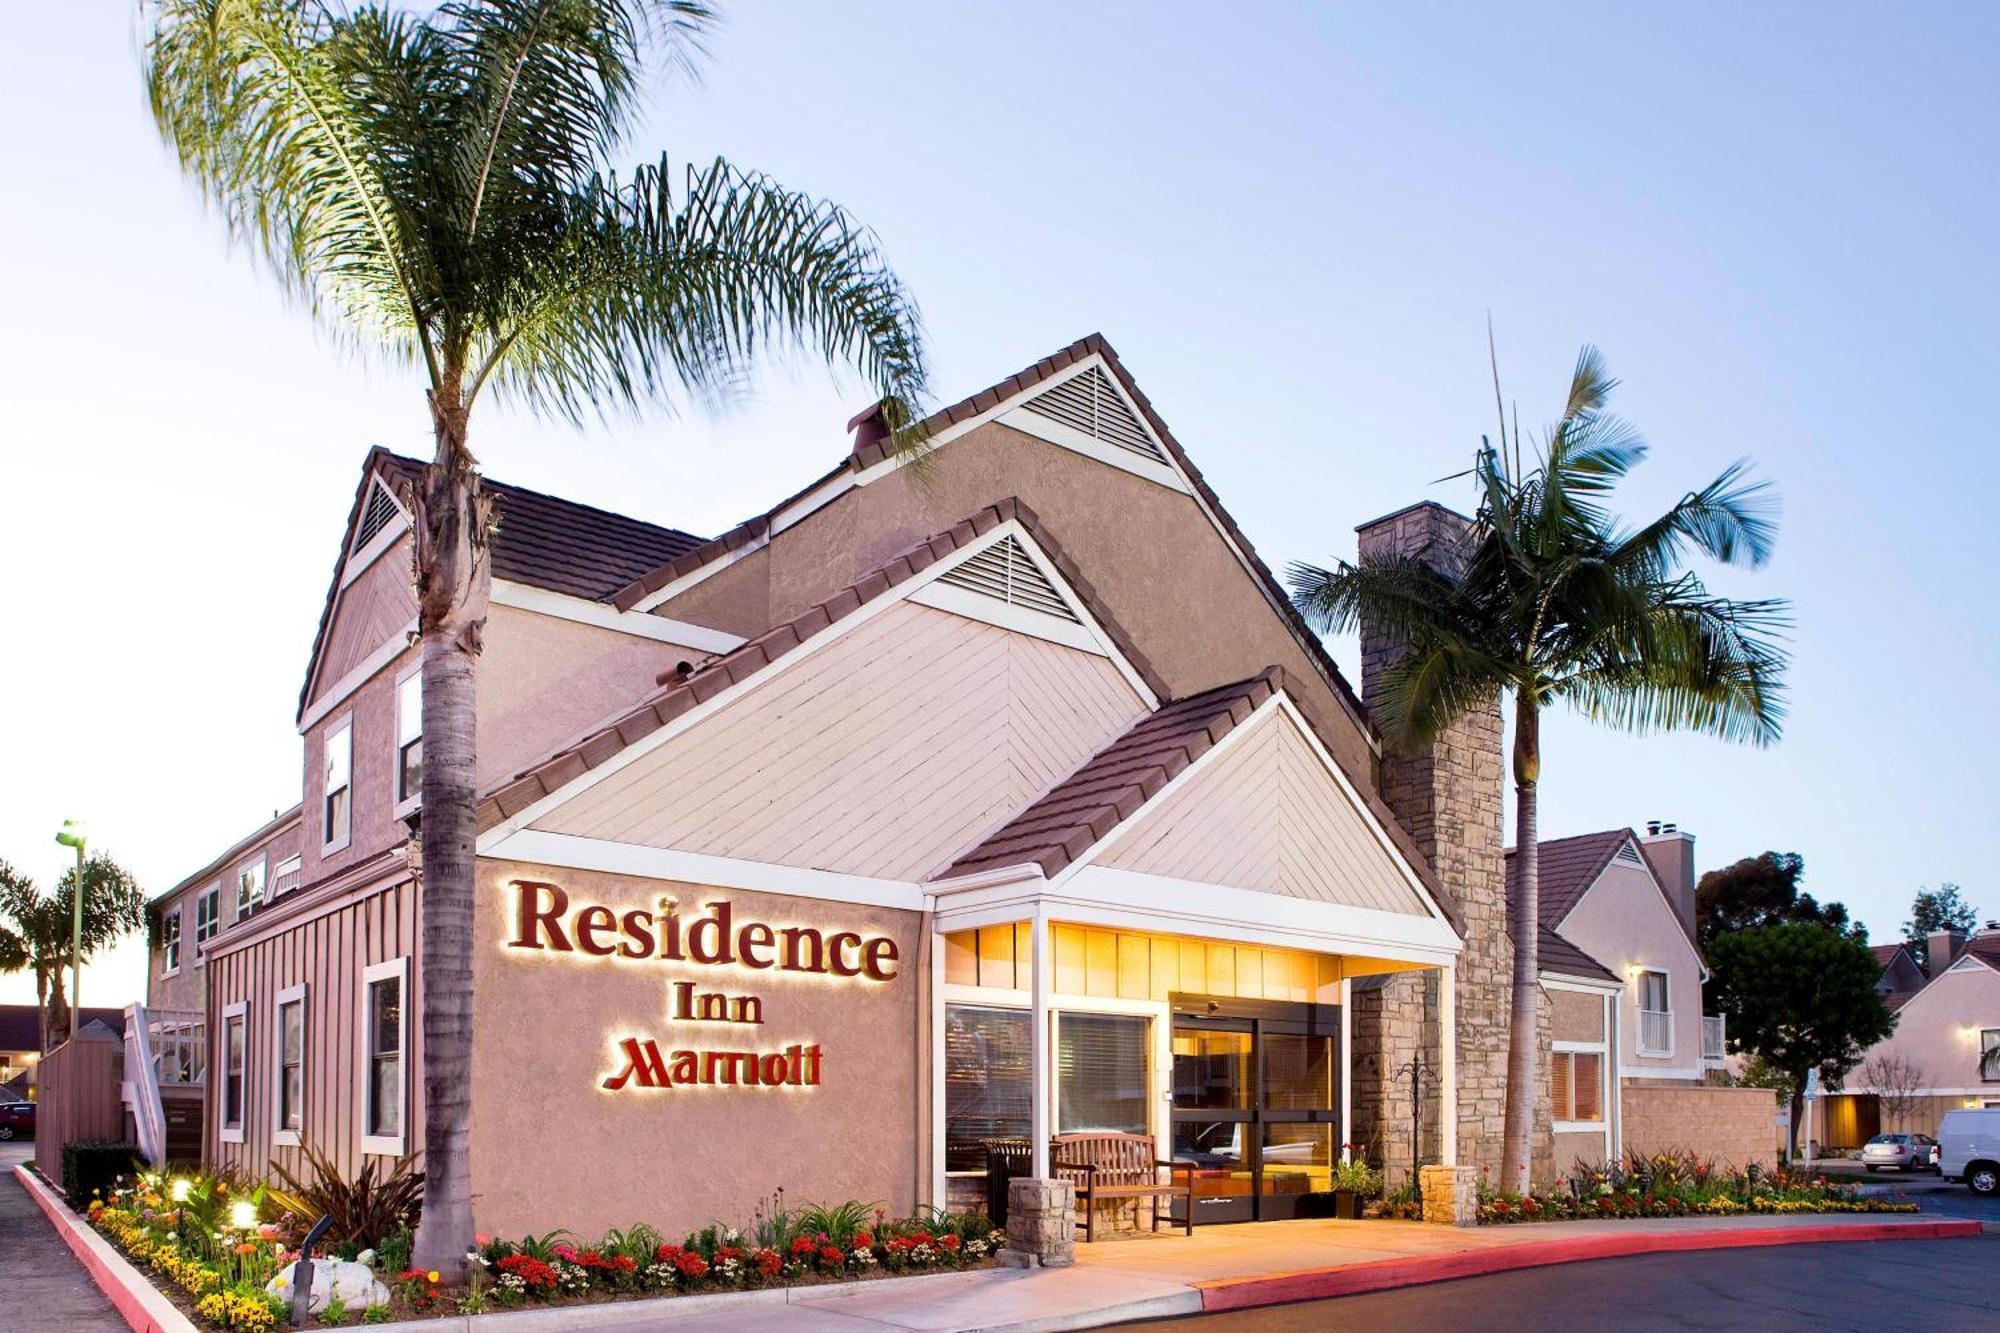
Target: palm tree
440, 188
36, 929
1552, 600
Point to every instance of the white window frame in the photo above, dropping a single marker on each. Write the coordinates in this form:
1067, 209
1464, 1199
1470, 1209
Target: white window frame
397, 969
410, 800
1639, 1008
262, 864
172, 943
281, 1136
226, 1132
213, 893
344, 729
1602, 1050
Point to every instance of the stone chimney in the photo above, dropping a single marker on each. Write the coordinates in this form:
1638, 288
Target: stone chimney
1448, 798
1942, 948
1670, 853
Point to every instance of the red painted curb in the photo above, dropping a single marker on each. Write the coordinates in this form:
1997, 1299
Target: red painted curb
1383, 1274
130, 1305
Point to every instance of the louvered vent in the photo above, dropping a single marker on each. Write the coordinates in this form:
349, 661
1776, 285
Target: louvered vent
381, 509
1089, 403
1628, 857
1006, 573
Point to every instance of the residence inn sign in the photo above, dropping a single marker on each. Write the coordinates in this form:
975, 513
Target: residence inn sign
544, 918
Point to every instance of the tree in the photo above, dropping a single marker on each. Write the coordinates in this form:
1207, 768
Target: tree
1942, 908
1762, 891
1551, 600
439, 188
1802, 997
1896, 1080
37, 930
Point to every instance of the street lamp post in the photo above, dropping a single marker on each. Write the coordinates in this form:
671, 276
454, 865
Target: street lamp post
72, 835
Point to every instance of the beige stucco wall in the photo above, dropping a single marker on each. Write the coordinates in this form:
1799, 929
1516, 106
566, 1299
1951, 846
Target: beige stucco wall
552, 1148
1625, 923
1730, 1125
1575, 1016
1938, 1033
1569, 1149
1166, 573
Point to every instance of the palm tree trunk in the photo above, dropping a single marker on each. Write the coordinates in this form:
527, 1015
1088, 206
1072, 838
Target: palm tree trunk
1517, 1142
454, 582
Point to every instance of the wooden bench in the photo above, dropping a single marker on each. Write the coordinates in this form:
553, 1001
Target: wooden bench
1121, 1166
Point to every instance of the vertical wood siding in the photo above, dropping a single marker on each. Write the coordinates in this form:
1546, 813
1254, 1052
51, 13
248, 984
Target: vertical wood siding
1267, 815
886, 753
326, 952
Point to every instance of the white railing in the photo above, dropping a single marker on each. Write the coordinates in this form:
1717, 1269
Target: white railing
1656, 1032
180, 1045
1713, 1050
140, 1088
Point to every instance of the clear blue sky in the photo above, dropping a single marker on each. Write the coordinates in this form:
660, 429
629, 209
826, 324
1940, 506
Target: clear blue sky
1777, 221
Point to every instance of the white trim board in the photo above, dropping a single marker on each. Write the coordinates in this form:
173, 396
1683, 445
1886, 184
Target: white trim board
680, 633
389, 1145
280, 1136
622, 858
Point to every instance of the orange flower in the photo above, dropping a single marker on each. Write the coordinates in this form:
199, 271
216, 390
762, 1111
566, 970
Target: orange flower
246, 1247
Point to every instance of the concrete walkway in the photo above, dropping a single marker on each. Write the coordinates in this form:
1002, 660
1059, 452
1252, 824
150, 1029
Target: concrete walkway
42, 1286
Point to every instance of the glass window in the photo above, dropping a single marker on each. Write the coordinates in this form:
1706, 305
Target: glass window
249, 888
170, 941
1298, 1158
207, 913
1989, 1063
335, 806
1101, 1072
988, 1082
291, 1064
1653, 992
232, 1078
1299, 1071
385, 1057
1576, 1085
410, 738
1211, 1069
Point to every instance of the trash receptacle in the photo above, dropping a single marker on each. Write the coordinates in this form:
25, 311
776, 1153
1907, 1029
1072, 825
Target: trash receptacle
1005, 1160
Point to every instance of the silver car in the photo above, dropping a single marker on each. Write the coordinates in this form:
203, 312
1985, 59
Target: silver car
1905, 1152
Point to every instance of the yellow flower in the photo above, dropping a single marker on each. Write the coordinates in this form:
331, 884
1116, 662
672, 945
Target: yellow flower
432, 1276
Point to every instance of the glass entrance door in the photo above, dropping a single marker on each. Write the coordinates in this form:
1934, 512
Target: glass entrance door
1256, 1104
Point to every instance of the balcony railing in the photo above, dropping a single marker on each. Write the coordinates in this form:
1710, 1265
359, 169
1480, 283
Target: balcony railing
1656, 1032
1713, 1051
179, 1040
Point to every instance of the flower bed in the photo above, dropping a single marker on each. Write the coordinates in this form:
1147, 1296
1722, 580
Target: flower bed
1678, 1184
218, 1249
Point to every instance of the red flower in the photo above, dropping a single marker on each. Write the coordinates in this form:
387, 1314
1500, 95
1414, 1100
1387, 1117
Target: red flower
624, 1263
863, 1241
668, 1253
804, 1245
728, 1252
948, 1242
769, 1262
691, 1264
530, 1270
831, 1256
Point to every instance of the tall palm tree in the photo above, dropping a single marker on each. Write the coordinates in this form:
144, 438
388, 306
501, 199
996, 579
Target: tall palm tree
439, 187
1552, 600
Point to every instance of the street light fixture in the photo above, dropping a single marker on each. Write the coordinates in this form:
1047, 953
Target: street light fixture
73, 835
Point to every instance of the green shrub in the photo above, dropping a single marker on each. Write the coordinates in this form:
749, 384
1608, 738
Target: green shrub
93, 1167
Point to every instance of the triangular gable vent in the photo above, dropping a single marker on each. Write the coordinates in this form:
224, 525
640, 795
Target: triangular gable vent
1628, 857
1005, 572
1090, 403
1965, 965
382, 509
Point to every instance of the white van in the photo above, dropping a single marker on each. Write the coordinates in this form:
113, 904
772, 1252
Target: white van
1969, 1149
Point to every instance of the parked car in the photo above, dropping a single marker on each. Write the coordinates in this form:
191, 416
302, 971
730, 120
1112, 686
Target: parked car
1969, 1143
1905, 1152
17, 1118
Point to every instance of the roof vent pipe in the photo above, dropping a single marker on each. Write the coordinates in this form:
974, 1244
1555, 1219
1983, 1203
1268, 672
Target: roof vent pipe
1652, 828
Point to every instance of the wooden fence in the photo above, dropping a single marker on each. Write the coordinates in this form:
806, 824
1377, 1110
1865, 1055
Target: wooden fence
78, 1098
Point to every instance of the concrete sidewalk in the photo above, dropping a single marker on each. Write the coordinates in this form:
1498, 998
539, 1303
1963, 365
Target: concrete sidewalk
1150, 1277
42, 1286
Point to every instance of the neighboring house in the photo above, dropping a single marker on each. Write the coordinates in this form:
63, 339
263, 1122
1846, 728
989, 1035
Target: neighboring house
1944, 1033
1622, 973
21, 1042
253, 873
1902, 972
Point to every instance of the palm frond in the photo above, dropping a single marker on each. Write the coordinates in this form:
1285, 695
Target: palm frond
1732, 519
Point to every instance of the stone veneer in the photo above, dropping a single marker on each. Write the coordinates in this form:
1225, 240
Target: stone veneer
1448, 797
1734, 1126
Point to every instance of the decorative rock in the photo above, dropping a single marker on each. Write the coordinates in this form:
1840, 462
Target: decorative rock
1451, 1195
1041, 1227
354, 1284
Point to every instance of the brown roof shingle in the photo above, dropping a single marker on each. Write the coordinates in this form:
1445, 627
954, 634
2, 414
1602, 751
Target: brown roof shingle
1568, 867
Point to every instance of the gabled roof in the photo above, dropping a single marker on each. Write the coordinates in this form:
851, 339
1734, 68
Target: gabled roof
1109, 788
868, 454
1885, 954
1556, 954
543, 541
1986, 948
718, 674
1568, 867
1983, 948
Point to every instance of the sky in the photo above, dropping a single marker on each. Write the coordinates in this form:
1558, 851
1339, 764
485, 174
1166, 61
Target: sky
1291, 221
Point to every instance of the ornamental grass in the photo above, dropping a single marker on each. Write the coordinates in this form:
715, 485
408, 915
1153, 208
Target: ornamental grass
1678, 1184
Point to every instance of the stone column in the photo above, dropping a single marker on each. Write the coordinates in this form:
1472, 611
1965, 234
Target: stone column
1041, 1226
1448, 798
1451, 1195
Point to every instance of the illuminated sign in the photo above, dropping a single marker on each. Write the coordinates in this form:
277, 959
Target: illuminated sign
544, 919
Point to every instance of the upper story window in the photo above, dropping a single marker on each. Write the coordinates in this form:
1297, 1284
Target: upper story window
208, 912
1989, 1055
337, 802
170, 943
1653, 993
286, 877
410, 738
1656, 1018
250, 888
